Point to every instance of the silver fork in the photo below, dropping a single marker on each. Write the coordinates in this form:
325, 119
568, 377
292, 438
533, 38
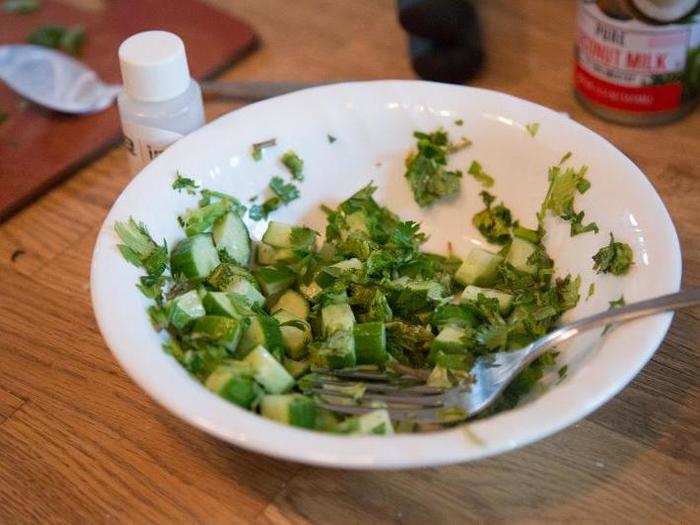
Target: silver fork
407, 398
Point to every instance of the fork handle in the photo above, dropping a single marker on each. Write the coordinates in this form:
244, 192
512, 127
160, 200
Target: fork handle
664, 303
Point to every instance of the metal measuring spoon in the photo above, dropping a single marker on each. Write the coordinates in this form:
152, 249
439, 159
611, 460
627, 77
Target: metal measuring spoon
57, 81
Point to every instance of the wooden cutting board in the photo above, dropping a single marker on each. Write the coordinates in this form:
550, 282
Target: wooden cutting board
38, 147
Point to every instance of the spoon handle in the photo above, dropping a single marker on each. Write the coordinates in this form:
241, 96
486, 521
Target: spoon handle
252, 90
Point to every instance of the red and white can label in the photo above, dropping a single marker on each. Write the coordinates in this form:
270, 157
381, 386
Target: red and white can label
630, 65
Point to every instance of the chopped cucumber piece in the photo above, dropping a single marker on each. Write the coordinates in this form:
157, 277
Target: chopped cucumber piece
245, 290
291, 409
338, 351
454, 314
218, 329
275, 279
408, 295
336, 317
294, 303
226, 275
295, 368
194, 257
519, 252
296, 333
370, 343
184, 309
231, 384
218, 303
471, 293
262, 331
268, 371
231, 235
480, 267
451, 339
282, 235
375, 422
265, 254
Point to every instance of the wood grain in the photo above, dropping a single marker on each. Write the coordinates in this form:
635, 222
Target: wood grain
80, 443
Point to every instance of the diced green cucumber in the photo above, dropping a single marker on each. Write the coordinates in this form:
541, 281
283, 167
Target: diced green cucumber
519, 252
262, 331
455, 314
310, 291
471, 293
282, 235
293, 302
408, 295
480, 267
265, 254
247, 291
219, 303
231, 384
225, 275
184, 309
337, 351
268, 371
451, 339
275, 279
291, 409
296, 368
376, 422
219, 329
231, 235
370, 343
335, 271
296, 333
336, 317
194, 257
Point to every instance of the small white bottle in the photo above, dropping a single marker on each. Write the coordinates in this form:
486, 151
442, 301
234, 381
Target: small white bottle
160, 102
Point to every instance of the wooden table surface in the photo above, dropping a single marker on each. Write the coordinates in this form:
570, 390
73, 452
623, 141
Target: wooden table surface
79, 442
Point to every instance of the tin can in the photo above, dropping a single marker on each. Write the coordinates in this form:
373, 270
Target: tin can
638, 61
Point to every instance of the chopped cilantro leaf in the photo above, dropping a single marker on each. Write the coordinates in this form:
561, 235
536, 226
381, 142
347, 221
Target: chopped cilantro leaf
618, 303
494, 222
331, 138
591, 291
566, 157
183, 183
615, 258
563, 185
294, 164
563, 371
258, 147
208, 195
454, 147
21, 7
477, 171
140, 249
286, 192
532, 128
426, 172
459, 122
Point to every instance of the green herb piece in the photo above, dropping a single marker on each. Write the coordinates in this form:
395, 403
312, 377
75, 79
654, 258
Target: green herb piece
152, 286
331, 138
294, 164
562, 372
22, 7
591, 291
615, 258
261, 211
208, 196
286, 192
565, 157
425, 169
618, 303
494, 222
563, 185
257, 148
477, 171
199, 220
462, 143
532, 128
67, 39
139, 248
183, 183
459, 122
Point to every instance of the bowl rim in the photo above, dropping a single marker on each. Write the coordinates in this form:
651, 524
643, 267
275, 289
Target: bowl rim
257, 434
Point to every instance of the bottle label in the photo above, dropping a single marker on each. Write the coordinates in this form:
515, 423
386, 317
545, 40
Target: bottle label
625, 63
144, 143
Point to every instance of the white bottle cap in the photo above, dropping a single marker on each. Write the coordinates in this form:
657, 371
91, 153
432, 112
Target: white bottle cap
154, 66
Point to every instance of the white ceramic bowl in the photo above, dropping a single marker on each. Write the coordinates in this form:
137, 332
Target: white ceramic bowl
373, 123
